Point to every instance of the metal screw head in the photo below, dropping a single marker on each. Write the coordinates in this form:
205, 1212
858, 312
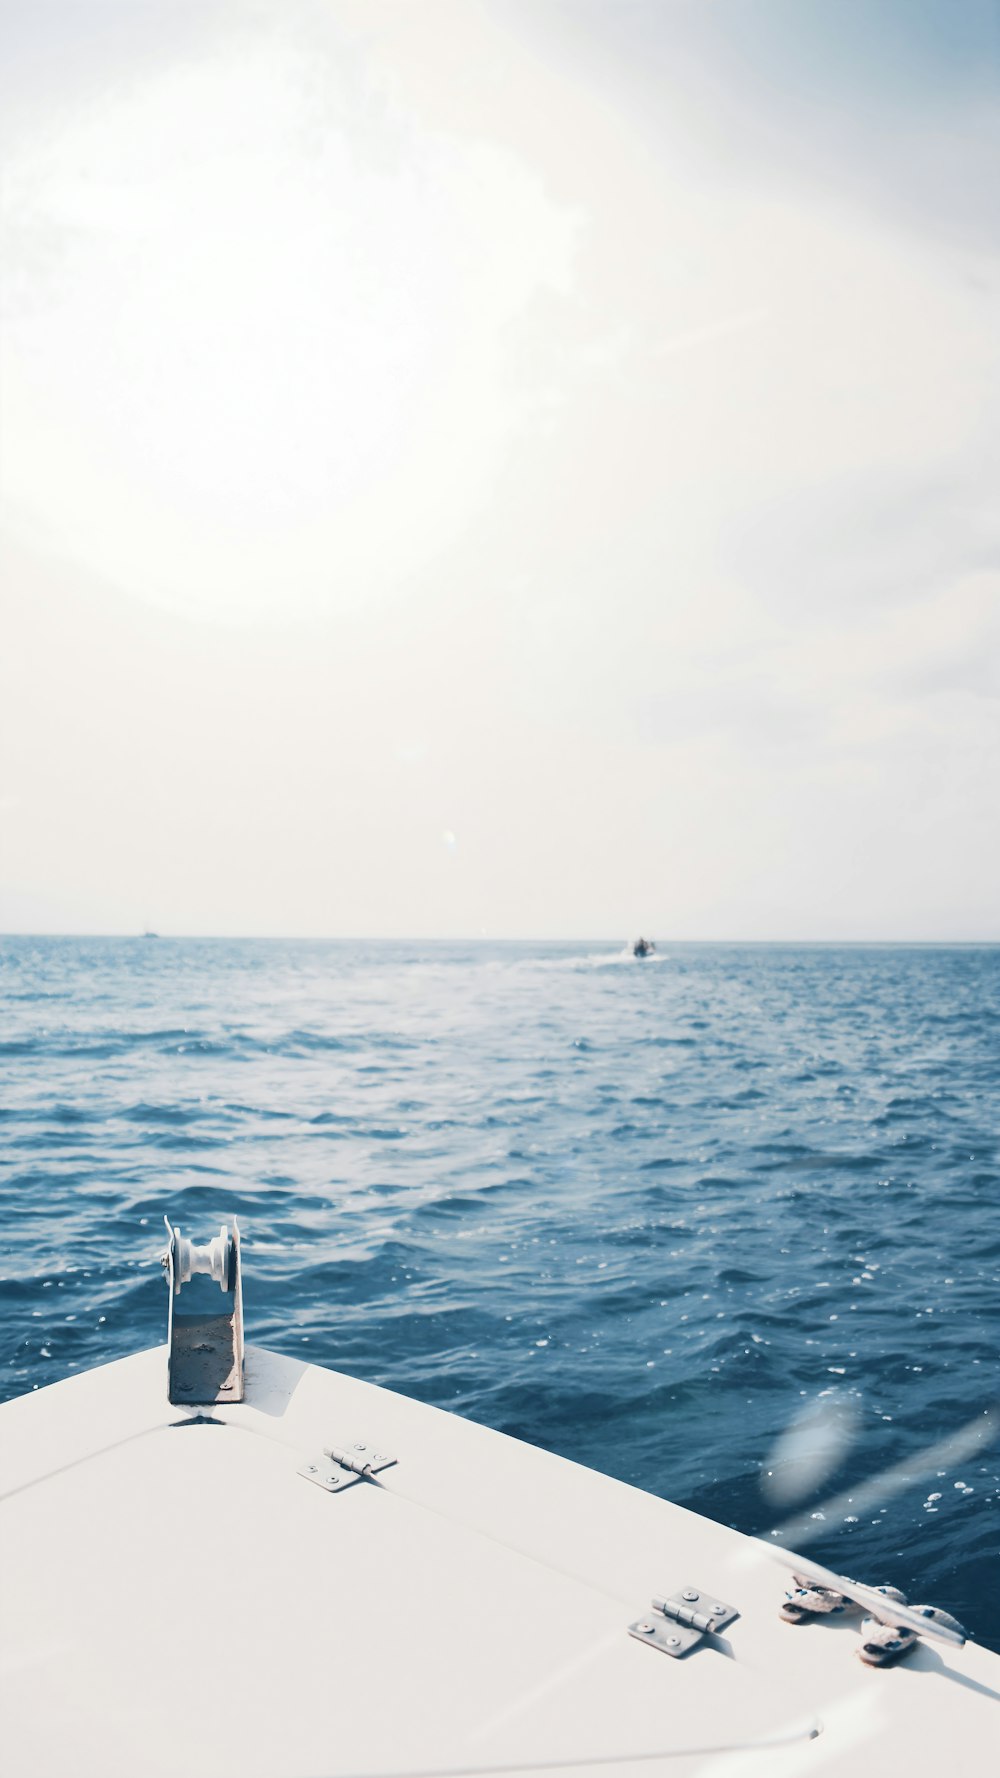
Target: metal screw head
647, 1629
690, 1593
718, 1611
673, 1642
312, 1469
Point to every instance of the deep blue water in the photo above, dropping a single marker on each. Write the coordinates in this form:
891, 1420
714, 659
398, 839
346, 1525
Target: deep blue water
645, 1214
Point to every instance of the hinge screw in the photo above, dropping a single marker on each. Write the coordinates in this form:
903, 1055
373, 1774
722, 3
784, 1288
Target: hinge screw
689, 1593
673, 1641
718, 1610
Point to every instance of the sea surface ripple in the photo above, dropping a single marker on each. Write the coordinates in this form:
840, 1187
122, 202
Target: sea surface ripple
649, 1215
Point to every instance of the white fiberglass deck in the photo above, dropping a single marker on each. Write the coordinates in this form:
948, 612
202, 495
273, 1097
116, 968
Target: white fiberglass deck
178, 1599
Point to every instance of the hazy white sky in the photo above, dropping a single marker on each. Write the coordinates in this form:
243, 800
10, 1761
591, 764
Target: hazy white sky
523, 467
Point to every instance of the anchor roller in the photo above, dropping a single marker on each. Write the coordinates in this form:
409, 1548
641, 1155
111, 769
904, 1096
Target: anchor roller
189, 1259
205, 1343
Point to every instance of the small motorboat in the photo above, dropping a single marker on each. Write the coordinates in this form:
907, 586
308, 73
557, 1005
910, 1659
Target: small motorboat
226, 1561
643, 947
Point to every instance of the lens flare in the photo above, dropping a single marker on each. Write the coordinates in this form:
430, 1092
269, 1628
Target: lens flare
809, 1450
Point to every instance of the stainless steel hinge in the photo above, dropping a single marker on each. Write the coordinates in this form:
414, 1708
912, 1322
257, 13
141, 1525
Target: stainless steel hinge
676, 1624
340, 1466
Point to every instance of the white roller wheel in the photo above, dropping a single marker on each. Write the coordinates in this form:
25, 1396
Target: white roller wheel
212, 1259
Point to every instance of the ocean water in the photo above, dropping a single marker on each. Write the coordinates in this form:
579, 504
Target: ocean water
689, 1221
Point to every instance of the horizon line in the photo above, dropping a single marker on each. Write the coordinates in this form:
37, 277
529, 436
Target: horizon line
481, 938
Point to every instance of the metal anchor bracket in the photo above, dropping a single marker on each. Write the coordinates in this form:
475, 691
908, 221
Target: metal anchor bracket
339, 1466
676, 1624
205, 1359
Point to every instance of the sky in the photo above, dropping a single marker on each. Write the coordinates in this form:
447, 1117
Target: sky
517, 468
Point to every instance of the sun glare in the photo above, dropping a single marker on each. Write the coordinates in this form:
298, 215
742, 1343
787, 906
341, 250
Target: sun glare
293, 384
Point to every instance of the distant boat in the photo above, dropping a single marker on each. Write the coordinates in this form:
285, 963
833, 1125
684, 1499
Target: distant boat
150, 935
643, 947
